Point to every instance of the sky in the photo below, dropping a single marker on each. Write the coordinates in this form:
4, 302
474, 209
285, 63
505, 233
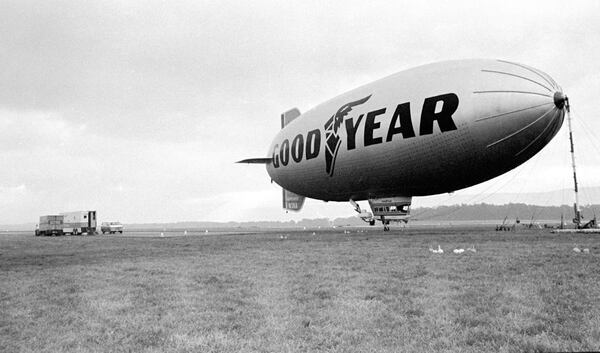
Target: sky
139, 109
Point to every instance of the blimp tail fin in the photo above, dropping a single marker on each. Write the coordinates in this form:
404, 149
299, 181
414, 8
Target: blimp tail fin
291, 201
256, 161
288, 116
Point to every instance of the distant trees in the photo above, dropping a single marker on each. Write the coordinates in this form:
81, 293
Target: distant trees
479, 212
483, 211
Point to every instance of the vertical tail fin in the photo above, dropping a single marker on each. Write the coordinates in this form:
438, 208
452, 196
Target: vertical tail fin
291, 201
288, 116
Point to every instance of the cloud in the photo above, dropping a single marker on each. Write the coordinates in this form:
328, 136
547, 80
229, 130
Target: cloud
262, 204
133, 107
26, 130
9, 193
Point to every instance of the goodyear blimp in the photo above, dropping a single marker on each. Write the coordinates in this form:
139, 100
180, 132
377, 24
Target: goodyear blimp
432, 129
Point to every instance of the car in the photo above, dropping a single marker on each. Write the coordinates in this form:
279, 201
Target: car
111, 227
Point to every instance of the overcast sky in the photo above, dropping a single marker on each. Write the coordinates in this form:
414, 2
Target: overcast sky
138, 109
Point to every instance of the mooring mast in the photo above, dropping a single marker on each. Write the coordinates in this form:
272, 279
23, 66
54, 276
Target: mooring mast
578, 217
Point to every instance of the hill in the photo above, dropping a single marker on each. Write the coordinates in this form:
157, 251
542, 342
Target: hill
464, 212
479, 212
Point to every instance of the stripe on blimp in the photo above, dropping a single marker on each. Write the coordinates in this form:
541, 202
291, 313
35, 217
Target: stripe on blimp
518, 76
540, 135
521, 129
514, 111
546, 78
522, 92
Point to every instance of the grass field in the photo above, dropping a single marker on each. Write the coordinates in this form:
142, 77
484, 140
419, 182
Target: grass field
333, 292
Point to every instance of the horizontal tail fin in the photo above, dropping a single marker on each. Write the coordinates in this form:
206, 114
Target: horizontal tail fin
256, 161
291, 201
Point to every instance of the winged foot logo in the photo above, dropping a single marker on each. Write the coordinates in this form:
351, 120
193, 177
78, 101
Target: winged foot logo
332, 136
307, 145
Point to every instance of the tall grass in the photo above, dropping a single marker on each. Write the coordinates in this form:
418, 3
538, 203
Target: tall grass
334, 292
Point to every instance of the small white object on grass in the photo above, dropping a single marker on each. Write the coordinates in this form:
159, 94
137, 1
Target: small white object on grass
458, 251
438, 251
576, 249
586, 250
162, 234
431, 249
185, 232
472, 248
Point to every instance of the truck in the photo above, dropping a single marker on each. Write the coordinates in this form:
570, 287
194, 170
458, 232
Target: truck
50, 225
75, 223
111, 227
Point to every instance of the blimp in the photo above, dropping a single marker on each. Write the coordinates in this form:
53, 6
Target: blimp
428, 130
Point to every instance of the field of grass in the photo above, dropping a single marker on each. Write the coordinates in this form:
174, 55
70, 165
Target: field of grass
331, 291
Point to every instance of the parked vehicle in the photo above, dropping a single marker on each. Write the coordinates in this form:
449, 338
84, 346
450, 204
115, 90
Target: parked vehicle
50, 225
111, 227
75, 223
79, 222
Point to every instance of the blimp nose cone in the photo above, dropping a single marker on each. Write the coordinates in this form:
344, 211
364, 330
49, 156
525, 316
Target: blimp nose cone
521, 110
559, 99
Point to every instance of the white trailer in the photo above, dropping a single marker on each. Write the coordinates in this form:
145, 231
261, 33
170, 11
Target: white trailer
79, 222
